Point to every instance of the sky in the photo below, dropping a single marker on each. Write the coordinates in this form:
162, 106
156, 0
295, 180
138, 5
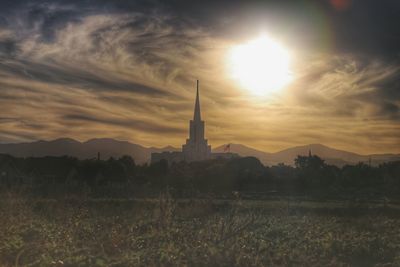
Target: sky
127, 70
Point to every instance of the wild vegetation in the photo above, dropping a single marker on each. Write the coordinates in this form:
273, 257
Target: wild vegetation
59, 211
196, 232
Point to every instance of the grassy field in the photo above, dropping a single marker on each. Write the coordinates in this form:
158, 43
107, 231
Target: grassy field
202, 232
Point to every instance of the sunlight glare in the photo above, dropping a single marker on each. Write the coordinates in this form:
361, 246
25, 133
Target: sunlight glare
261, 65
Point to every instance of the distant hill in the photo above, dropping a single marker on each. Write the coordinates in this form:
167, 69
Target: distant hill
113, 148
243, 151
65, 146
330, 155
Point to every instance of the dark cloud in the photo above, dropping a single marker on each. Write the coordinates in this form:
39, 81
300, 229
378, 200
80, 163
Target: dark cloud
367, 27
389, 88
21, 123
64, 75
3, 22
50, 20
8, 48
7, 119
11, 136
370, 27
392, 109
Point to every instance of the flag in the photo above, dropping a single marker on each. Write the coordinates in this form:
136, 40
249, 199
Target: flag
227, 148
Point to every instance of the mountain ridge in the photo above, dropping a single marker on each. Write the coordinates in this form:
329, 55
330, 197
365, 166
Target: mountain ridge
109, 147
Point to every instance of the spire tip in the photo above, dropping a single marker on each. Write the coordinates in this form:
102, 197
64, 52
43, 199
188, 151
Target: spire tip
197, 115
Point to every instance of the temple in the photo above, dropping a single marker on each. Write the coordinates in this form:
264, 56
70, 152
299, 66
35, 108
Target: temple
196, 147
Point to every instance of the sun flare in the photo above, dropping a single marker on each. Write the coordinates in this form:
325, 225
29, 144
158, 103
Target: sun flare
261, 65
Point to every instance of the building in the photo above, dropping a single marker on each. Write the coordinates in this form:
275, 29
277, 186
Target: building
196, 147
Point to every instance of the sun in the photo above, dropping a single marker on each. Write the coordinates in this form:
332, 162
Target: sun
261, 65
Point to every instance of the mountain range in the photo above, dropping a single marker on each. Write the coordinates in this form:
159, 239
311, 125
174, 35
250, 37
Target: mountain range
330, 155
108, 147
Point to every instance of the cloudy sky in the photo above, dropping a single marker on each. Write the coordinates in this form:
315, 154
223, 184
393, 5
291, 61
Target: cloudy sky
128, 69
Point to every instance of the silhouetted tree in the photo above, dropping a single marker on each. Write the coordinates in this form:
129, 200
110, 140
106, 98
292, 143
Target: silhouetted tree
49, 176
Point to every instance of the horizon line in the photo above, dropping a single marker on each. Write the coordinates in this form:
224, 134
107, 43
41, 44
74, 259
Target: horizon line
161, 147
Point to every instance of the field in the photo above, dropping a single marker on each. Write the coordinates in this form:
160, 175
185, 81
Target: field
196, 232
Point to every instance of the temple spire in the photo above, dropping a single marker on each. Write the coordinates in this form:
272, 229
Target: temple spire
197, 116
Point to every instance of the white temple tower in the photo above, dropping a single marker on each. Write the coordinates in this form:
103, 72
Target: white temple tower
196, 147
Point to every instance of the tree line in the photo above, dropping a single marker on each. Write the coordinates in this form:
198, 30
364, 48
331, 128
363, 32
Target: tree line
310, 176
